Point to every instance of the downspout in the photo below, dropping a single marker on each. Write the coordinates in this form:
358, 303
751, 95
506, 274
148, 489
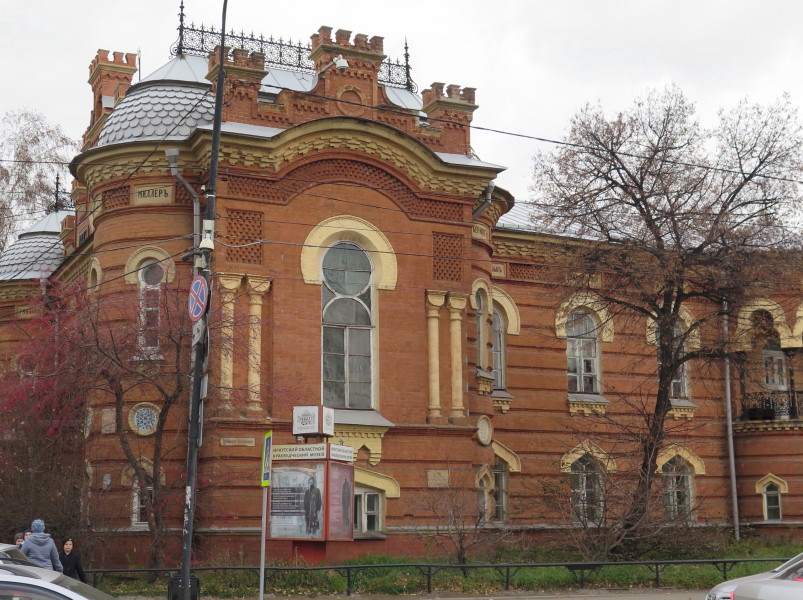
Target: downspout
486, 194
172, 159
729, 423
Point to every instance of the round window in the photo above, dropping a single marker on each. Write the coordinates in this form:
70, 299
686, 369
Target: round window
152, 274
144, 418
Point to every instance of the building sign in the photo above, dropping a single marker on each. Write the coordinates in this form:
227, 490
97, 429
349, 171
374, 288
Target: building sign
313, 452
153, 193
299, 452
480, 232
313, 420
296, 504
499, 269
341, 453
233, 441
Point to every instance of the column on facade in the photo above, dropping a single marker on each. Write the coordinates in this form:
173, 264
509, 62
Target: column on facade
228, 285
257, 287
790, 362
434, 301
457, 304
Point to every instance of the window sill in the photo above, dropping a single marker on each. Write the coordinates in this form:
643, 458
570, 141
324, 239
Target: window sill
588, 404
370, 535
502, 400
352, 416
485, 382
682, 408
145, 355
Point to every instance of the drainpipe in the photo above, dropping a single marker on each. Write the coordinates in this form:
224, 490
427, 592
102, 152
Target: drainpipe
729, 423
486, 194
172, 159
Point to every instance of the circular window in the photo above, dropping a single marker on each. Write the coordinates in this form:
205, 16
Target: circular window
346, 269
152, 273
144, 418
485, 430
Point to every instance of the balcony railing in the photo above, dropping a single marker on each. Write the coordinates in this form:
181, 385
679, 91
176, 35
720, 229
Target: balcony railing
770, 406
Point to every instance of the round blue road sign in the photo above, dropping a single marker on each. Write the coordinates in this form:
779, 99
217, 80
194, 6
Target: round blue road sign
199, 296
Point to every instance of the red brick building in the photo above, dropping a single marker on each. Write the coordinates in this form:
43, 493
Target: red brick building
365, 260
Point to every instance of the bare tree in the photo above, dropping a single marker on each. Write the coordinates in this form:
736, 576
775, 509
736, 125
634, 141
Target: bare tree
459, 515
101, 350
676, 220
32, 154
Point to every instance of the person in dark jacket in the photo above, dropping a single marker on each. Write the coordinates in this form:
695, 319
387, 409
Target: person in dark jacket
40, 547
71, 561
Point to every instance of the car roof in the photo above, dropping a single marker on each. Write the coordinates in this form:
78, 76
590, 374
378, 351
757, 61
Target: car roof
52, 580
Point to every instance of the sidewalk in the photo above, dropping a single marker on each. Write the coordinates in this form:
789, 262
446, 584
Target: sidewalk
576, 594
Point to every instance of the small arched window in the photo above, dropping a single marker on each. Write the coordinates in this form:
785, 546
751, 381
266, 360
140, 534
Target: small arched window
587, 493
347, 317
498, 350
582, 353
677, 474
772, 502
480, 301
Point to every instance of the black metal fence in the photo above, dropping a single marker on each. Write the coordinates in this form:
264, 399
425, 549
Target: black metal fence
506, 571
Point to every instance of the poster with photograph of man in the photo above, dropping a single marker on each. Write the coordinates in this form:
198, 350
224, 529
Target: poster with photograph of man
296, 506
340, 507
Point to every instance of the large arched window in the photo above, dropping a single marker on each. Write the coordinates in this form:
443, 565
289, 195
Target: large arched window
677, 475
587, 490
347, 327
151, 274
582, 353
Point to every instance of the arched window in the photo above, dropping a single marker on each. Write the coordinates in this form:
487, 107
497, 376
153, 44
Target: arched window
677, 476
679, 387
480, 300
151, 275
347, 327
500, 490
587, 493
772, 502
774, 365
498, 350
582, 353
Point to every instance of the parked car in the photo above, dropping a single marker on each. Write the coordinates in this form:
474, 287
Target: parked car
769, 589
724, 590
11, 552
25, 582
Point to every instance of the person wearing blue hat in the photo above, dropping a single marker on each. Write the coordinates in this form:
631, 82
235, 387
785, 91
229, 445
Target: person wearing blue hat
40, 548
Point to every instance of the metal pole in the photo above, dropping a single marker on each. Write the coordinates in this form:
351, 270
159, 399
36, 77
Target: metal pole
262, 543
729, 423
200, 348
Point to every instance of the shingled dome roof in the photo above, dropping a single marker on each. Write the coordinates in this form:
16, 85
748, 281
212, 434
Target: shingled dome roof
167, 105
37, 252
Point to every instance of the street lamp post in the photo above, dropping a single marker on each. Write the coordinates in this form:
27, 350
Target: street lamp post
200, 348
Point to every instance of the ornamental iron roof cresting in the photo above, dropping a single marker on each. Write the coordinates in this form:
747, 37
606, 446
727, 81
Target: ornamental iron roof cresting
200, 41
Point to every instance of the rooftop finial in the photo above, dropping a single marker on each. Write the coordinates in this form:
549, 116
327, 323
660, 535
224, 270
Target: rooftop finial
180, 48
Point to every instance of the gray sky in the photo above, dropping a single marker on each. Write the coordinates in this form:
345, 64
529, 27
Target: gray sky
533, 62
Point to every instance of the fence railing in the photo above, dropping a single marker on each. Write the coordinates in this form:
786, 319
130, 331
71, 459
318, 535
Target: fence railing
770, 405
507, 571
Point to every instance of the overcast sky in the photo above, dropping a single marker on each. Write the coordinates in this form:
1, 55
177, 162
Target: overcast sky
533, 62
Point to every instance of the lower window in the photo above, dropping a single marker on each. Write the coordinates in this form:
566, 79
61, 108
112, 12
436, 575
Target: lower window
367, 511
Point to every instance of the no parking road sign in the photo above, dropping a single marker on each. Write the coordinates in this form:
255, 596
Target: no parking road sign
199, 296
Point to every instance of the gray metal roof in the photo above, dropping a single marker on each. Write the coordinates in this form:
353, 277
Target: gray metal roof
37, 252
173, 101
